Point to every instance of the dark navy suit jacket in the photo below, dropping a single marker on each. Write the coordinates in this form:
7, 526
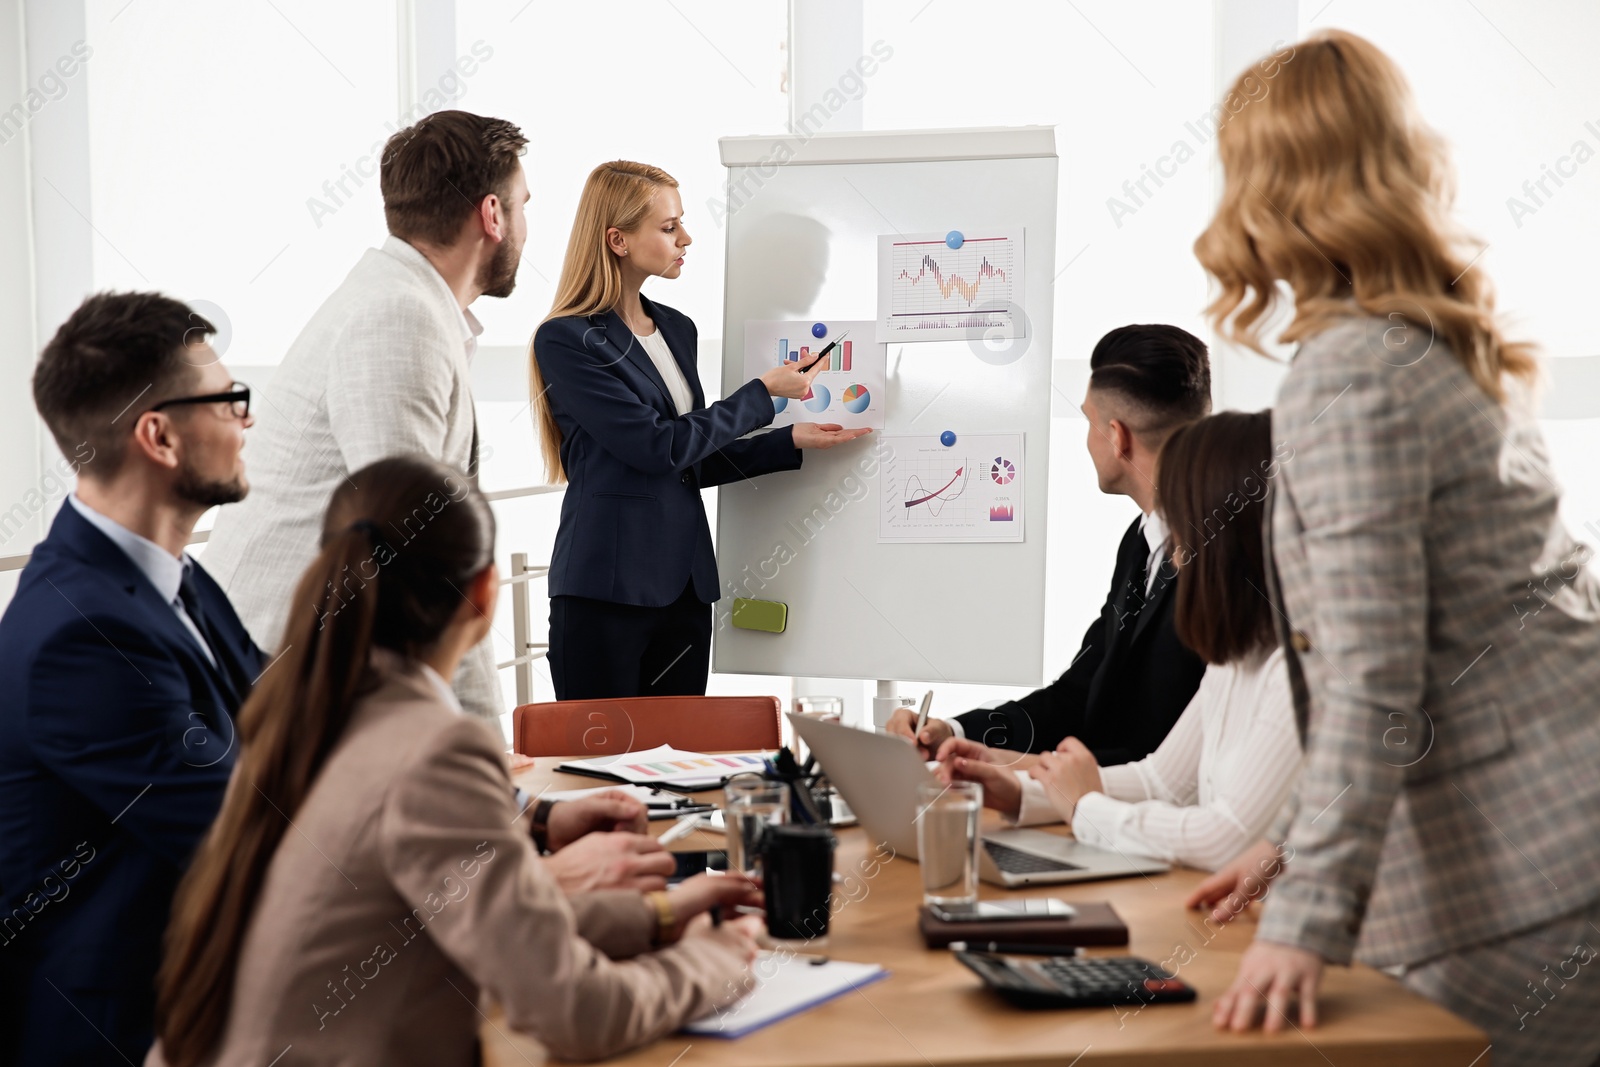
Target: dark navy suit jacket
116, 742
1126, 687
633, 527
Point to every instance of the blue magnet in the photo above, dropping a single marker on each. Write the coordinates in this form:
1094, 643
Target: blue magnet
954, 239
818, 330
947, 438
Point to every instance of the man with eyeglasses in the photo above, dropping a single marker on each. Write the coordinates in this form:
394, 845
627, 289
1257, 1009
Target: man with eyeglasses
122, 666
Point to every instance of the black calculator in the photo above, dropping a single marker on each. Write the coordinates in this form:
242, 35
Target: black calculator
1077, 981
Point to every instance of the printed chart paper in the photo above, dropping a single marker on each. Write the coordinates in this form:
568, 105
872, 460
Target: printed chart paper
850, 389
971, 491
928, 291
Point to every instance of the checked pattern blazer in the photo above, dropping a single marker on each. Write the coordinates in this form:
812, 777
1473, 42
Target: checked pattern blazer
1443, 632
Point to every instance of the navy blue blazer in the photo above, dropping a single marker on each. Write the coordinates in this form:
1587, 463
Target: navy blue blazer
116, 742
633, 527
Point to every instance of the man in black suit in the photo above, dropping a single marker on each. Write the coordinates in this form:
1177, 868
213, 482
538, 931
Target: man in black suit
1132, 677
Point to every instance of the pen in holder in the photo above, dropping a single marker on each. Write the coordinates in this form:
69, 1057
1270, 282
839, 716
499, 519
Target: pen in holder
809, 803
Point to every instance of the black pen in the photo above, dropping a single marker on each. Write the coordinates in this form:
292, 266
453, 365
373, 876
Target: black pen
820, 356
1016, 950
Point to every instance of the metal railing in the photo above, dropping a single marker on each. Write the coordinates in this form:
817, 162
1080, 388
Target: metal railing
521, 625
527, 651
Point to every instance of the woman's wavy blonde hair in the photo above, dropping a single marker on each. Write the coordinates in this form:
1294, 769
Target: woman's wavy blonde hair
1335, 185
617, 194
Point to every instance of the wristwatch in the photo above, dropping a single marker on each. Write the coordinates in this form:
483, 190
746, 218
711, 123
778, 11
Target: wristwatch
540, 825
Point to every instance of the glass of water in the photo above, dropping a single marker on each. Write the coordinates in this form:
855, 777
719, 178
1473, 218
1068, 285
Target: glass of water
947, 841
752, 804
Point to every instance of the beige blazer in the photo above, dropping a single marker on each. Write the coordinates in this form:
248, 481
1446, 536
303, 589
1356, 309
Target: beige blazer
408, 887
1443, 634
382, 369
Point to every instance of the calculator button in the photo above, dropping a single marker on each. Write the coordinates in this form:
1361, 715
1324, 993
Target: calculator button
1163, 985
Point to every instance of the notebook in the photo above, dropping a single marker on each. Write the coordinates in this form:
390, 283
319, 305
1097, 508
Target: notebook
785, 985
1095, 923
668, 766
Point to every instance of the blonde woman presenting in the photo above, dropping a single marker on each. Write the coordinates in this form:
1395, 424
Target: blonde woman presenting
624, 421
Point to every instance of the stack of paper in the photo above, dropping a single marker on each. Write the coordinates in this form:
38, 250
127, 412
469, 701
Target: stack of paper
668, 766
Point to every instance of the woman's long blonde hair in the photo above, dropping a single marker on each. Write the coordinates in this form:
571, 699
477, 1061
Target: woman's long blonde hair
617, 194
1335, 185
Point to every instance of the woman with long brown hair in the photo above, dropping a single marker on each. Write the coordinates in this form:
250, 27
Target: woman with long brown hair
369, 873
623, 420
1443, 631
1212, 787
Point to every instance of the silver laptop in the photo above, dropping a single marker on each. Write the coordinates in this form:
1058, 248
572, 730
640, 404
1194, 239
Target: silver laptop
878, 776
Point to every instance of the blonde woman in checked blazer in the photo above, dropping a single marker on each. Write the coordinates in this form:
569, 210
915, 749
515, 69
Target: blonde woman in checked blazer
1443, 629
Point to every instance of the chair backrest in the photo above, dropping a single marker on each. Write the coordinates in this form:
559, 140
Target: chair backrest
629, 724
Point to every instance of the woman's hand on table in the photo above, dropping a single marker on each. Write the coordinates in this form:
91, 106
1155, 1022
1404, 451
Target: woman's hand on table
1068, 774
1240, 883
740, 936
697, 895
1273, 976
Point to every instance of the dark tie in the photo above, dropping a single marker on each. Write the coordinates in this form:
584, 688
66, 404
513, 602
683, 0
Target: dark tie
236, 683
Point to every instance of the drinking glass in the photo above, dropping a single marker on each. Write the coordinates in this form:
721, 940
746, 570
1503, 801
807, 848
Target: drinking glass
947, 841
752, 805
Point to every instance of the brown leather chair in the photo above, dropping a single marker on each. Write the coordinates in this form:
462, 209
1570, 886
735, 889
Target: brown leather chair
629, 724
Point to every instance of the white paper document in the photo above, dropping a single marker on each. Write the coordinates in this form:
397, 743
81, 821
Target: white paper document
786, 985
665, 765
968, 491
849, 390
928, 291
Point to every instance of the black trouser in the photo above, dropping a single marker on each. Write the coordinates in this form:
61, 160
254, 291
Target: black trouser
601, 649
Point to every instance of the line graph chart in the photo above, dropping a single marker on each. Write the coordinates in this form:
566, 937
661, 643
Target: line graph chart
930, 291
929, 493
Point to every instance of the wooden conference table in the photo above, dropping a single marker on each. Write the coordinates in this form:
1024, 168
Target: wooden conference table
931, 1010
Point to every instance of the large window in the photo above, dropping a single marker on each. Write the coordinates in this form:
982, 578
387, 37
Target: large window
1513, 87
231, 149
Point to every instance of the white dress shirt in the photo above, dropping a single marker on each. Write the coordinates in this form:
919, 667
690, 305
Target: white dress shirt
1212, 787
164, 570
655, 346
1154, 528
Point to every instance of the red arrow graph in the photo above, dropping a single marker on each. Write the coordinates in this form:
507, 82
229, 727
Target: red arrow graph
930, 496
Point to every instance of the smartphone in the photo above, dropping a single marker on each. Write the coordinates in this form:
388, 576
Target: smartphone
1003, 910
693, 863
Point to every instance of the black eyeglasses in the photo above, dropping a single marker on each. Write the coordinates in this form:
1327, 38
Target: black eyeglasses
238, 398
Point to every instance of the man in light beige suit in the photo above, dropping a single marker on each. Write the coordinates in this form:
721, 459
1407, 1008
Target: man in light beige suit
382, 368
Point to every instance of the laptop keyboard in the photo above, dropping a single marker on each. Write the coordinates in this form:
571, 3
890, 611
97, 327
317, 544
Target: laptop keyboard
1015, 861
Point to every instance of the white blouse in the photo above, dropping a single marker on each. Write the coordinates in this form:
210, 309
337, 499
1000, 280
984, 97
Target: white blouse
655, 346
1212, 787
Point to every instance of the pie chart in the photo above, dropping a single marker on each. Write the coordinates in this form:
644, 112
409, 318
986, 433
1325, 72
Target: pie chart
778, 404
817, 398
1002, 471
856, 398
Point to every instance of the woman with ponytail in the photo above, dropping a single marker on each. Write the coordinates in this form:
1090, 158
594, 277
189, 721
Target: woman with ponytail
369, 874
1441, 627
623, 420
